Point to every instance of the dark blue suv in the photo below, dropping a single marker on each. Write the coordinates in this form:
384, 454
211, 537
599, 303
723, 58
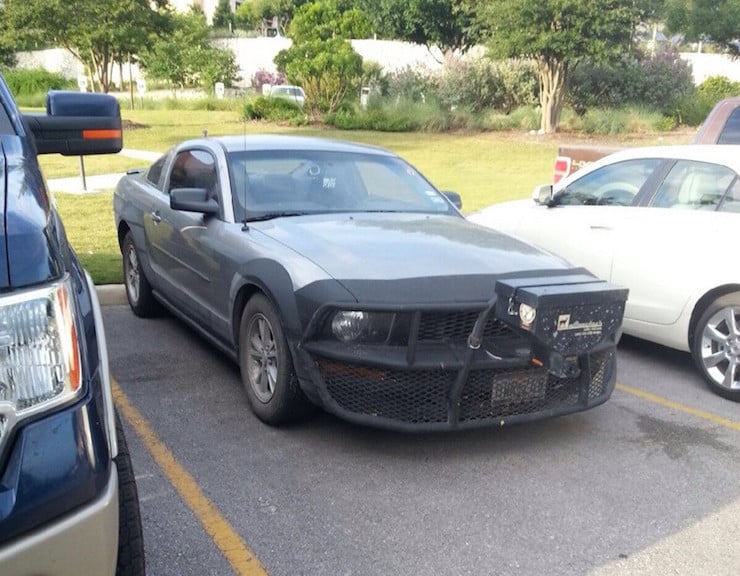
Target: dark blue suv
68, 499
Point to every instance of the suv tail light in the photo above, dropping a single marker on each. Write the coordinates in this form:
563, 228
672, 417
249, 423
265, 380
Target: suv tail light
562, 168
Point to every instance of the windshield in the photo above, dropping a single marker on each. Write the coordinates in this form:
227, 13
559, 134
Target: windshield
282, 182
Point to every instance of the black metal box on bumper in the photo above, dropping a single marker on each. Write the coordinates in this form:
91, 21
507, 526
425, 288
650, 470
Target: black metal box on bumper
541, 347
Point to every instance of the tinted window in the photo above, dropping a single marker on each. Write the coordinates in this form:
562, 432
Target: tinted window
154, 174
195, 169
731, 203
694, 185
731, 132
613, 185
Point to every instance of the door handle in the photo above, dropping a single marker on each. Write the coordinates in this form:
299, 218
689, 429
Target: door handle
156, 218
600, 227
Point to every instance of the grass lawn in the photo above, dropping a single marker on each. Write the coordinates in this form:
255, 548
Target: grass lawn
484, 168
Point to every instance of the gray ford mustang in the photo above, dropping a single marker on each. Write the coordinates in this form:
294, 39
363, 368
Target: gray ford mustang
337, 276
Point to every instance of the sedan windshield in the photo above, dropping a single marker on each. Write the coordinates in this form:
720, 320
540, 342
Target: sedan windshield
278, 182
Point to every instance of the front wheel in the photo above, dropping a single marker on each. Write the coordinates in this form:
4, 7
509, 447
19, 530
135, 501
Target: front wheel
716, 346
130, 536
267, 367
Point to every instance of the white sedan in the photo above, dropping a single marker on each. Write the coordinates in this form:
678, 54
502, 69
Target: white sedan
665, 223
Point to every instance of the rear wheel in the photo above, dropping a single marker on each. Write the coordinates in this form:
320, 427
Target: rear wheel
716, 346
130, 535
267, 367
138, 290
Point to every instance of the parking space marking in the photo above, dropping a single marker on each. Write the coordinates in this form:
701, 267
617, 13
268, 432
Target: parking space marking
731, 424
226, 539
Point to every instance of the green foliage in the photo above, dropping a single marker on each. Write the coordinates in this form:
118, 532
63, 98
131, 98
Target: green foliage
401, 116
273, 109
555, 34
692, 110
482, 83
321, 60
35, 82
658, 82
223, 17
186, 58
442, 23
95, 31
244, 16
718, 20
716, 88
606, 121
410, 83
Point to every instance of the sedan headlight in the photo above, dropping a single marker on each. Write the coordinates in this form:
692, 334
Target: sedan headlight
362, 327
39, 355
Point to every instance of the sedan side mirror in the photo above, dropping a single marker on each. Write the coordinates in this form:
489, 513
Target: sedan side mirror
454, 198
543, 194
193, 200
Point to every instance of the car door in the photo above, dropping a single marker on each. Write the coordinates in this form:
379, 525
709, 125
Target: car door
677, 241
177, 237
587, 212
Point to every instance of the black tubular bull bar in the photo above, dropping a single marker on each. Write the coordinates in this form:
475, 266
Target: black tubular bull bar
507, 366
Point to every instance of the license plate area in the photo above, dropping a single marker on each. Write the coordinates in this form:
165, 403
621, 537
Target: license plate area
519, 386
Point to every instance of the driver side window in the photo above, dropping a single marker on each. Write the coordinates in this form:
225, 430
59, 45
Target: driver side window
613, 185
195, 169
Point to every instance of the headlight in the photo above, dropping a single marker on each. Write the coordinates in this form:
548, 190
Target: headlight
39, 354
527, 314
362, 327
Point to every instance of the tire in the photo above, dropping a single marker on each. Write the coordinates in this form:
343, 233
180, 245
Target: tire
138, 291
267, 367
716, 346
130, 535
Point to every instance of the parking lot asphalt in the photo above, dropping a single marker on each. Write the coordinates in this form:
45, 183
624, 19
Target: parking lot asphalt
646, 484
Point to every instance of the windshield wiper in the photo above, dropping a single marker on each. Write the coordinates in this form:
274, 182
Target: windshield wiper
272, 215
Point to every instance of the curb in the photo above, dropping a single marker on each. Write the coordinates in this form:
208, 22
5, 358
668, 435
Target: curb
111, 294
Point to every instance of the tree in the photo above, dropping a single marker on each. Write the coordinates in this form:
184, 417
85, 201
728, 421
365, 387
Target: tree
321, 59
223, 17
556, 34
96, 32
717, 20
442, 23
186, 58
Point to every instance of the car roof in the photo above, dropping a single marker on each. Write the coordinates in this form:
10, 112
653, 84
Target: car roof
728, 154
254, 142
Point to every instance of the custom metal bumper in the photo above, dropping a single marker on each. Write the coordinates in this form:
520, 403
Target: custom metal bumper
480, 365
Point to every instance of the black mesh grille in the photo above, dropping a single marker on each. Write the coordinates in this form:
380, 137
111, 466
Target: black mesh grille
445, 326
406, 396
420, 396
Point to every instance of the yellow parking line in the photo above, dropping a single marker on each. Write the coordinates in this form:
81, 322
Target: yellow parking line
731, 424
238, 554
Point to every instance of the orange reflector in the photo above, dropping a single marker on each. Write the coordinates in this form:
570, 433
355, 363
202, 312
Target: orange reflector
100, 134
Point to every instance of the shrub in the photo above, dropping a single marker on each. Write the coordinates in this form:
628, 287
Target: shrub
411, 83
483, 83
33, 82
275, 109
384, 115
692, 110
657, 82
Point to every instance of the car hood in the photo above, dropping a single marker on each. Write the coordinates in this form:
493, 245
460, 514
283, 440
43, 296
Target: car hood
398, 247
506, 216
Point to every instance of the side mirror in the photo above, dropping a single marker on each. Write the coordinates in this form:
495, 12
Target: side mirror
193, 200
454, 198
76, 124
543, 194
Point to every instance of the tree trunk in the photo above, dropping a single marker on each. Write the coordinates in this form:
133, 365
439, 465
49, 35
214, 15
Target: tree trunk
552, 75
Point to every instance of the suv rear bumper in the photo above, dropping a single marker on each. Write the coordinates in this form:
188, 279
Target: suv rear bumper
83, 542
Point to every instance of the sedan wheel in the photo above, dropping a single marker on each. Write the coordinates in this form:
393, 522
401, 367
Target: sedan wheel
138, 290
267, 367
716, 346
